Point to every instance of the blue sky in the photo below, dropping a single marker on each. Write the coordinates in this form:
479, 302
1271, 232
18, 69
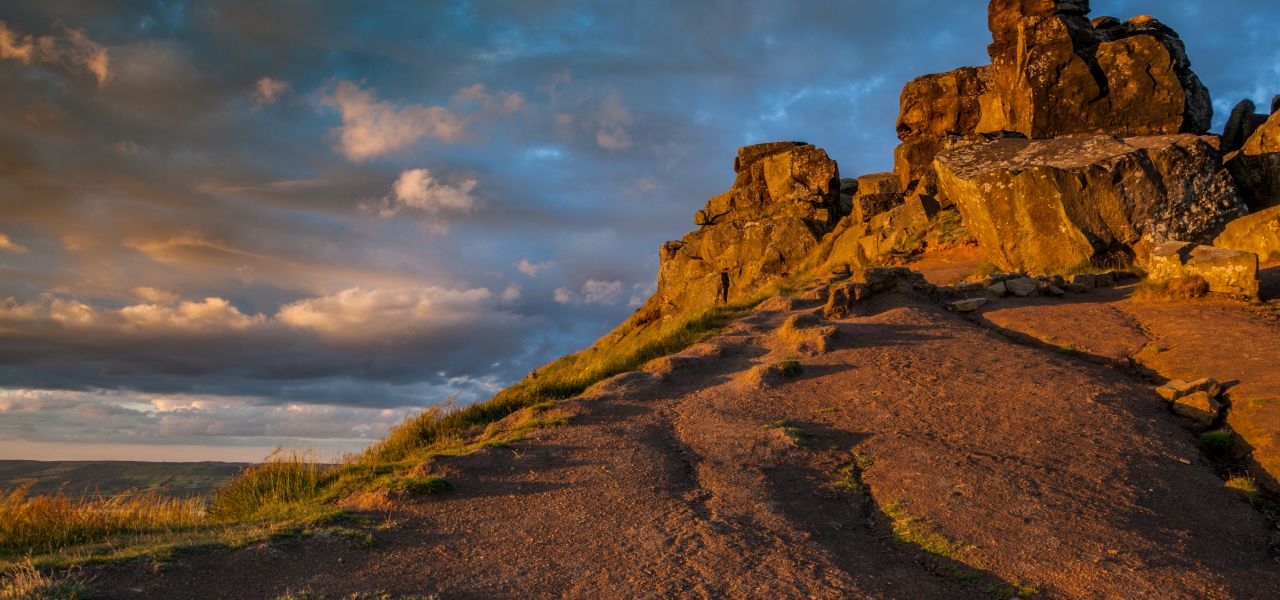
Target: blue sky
225, 227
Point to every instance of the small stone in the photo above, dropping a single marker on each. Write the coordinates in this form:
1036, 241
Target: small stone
1076, 288
1022, 286
967, 305
1104, 280
1087, 280
1178, 388
997, 290
1199, 407
970, 287
1055, 291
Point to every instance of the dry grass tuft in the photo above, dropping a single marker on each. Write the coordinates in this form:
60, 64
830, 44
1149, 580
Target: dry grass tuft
1186, 287
56, 520
24, 581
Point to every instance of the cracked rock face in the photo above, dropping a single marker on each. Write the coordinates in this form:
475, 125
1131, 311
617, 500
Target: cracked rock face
1048, 205
785, 198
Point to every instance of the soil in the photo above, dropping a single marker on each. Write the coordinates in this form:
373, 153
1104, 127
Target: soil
1022, 467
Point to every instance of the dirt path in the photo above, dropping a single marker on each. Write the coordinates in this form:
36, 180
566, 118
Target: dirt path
1024, 466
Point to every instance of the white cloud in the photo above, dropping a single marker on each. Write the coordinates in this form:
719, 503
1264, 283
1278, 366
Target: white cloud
372, 127
8, 244
267, 90
420, 191
65, 47
532, 269
360, 313
593, 291
208, 314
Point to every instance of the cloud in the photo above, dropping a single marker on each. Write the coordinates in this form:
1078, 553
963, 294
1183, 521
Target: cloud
418, 190
593, 291
65, 48
360, 314
210, 313
611, 122
532, 269
372, 127
155, 295
496, 104
8, 244
267, 90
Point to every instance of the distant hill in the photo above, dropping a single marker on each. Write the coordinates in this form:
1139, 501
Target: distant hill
114, 477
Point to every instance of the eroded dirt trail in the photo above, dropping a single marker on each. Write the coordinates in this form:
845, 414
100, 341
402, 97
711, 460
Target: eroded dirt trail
1035, 469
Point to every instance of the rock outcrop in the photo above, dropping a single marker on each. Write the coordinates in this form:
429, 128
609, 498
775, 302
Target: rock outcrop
1256, 166
1241, 125
1049, 205
1258, 233
785, 198
1053, 73
1227, 272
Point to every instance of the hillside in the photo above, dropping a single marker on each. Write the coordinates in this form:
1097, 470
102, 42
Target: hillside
114, 477
1037, 359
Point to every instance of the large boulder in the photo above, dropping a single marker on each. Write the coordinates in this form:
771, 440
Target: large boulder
1258, 233
1256, 166
785, 199
876, 194
1049, 205
1058, 74
1227, 272
1054, 73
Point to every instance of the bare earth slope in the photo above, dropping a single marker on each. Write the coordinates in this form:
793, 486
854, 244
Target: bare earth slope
1025, 467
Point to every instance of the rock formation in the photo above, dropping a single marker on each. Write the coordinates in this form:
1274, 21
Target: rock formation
785, 198
1256, 166
1241, 125
1049, 205
1228, 272
1258, 233
1053, 73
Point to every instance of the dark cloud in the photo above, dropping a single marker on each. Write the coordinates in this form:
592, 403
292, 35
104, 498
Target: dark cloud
218, 161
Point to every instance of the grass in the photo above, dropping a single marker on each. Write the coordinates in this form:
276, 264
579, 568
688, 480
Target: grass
24, 581
1217, 441
43, 523
1244, 484
946, 227
422, 485
788, 368
273, 487
1187, 287
919, 532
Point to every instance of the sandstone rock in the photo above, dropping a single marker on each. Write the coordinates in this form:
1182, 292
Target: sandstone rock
1022, 287
970, 287
967, 305
1199, 407
876, 194
1049, 205
1178, 388
1228, 272
869, 282
1275, 104
1056, 74
998, 290
782, 202
1258, 233
1256, 166
1241, 125
1053, 73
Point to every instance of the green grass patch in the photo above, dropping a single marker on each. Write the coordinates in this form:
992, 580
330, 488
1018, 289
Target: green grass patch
1217, 441
919, 532
788, 368
422, 485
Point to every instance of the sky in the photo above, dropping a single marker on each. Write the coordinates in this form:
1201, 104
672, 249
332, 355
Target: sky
231, 226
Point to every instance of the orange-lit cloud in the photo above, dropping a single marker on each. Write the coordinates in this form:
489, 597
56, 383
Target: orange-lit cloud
64, 48
9, 245
372, 127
